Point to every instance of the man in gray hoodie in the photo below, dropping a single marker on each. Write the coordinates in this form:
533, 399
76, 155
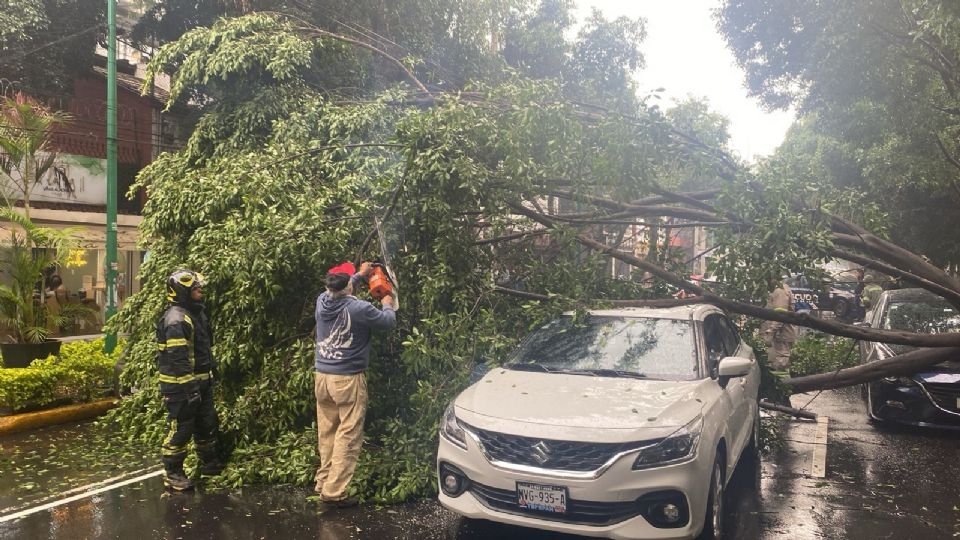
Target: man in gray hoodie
344, 328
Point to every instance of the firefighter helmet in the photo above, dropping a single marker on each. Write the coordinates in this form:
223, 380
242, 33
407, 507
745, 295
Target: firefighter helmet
181, 282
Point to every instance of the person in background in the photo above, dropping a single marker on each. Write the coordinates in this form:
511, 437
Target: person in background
56, 297
344, 330
779, 336
873, 285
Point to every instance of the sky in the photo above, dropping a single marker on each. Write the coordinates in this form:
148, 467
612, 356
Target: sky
686, 55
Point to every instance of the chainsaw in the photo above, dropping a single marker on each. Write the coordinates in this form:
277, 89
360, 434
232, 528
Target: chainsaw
382, 281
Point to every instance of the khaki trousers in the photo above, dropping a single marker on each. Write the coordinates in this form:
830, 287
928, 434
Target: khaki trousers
341, 407
778, 355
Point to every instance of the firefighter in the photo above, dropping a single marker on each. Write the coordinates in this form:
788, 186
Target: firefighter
873, 283
779, 336
187, 368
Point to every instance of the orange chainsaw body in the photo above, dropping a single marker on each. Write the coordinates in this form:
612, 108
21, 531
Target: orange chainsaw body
379, 283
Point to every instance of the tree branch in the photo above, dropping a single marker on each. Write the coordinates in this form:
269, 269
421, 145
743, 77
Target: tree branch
953, 161
652, 303
311, 30
898, 257
508, 237
386, 215
949, 294
902, 365
800, 319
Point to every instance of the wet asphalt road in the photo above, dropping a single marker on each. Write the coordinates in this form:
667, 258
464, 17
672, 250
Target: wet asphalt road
881, 483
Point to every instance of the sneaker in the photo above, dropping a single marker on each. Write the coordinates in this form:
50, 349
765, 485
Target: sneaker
346, 502
177, 481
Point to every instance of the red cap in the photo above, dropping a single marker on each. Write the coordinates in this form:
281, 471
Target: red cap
343, 268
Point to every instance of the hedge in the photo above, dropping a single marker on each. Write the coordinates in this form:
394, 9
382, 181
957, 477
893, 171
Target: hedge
79, 374
820, 353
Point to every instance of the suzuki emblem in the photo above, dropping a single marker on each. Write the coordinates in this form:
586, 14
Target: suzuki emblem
540, 452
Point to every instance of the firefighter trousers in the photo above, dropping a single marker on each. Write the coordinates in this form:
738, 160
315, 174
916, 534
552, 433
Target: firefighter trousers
190, 419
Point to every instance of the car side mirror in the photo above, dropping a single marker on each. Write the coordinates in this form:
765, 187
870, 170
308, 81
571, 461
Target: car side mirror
478, 372
733, 366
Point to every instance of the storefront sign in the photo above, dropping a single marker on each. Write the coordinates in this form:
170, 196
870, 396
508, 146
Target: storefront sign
73, 179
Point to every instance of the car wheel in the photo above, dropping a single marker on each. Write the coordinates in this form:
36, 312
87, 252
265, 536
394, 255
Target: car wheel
713, 522
751, 454
748, 469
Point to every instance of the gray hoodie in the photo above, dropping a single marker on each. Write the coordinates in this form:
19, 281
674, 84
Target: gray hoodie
344, 325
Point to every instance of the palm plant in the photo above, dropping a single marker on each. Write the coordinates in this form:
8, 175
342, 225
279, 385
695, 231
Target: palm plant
26, 146
22, 311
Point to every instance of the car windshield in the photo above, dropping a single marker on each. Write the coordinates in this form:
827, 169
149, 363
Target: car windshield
934, 316
612, 346
846, 286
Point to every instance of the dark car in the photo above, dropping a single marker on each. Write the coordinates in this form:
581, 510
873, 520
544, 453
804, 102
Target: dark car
927, 398
839, 297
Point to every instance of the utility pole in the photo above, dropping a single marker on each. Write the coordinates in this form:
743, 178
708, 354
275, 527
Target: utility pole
110, 343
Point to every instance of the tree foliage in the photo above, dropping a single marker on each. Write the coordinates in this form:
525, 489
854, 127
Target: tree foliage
283, 178
26, 146
877, 83
46, 43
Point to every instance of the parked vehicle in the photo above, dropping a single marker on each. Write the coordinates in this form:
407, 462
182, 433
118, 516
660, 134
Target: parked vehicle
927, 398
840, 298
627, 424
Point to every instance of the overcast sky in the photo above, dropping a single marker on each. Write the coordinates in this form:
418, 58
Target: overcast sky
687, 56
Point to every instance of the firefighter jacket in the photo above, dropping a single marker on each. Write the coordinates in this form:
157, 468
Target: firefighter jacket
184, 341
781, 299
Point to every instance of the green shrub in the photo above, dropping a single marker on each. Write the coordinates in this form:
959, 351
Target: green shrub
27, 387
817, 353
80, 373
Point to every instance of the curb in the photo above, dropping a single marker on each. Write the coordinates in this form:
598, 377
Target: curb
61, 415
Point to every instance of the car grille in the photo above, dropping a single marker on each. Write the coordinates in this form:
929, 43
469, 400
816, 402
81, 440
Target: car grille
578, 512
548, 453
944, 395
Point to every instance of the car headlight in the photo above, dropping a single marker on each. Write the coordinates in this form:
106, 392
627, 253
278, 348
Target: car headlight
451, 429
680, 446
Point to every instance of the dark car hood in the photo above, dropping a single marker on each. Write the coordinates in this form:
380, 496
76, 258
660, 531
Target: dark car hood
939, 376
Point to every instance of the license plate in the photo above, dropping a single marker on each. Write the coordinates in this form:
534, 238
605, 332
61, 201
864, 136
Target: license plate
542, 497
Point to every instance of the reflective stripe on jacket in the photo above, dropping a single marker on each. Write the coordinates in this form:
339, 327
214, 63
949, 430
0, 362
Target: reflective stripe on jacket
184, 341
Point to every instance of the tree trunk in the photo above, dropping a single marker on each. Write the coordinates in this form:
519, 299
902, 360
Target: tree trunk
897, 366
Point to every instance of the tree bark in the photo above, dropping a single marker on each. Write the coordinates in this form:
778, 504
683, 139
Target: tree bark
902, 365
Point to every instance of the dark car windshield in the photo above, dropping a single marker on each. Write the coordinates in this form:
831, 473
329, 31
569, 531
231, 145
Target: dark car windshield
933, 316
845, 286
654, 348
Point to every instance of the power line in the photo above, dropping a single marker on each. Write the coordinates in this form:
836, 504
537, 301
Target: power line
58, 132
372, 34
19, 55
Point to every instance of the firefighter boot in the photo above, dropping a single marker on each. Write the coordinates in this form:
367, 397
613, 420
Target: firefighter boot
174, 478
210, 464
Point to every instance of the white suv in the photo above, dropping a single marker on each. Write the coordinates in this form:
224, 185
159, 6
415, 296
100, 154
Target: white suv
623, 424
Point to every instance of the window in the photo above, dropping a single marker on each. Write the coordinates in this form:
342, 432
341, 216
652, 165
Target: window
731, 338
657, 348
714, 340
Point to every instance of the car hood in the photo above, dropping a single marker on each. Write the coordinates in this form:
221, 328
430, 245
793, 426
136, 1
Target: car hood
556, 405
885, 351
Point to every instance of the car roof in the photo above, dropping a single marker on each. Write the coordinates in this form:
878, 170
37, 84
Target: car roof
685, 312
911, 295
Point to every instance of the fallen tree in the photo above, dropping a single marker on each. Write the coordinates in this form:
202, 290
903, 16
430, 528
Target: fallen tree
511, 182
